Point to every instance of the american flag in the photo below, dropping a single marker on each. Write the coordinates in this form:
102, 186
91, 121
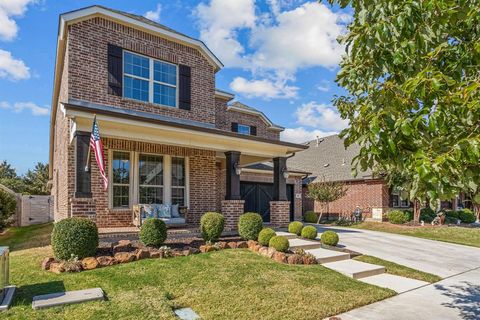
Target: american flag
97, 147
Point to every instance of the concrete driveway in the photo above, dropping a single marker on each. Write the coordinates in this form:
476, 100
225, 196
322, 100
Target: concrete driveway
439, 258
455, 297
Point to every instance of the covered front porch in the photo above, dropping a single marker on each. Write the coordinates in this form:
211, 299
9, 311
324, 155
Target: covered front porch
186, 168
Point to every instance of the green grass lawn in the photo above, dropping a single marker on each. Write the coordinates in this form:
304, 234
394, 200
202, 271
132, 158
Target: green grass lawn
400, 270
18, 238
459, 235
228, 284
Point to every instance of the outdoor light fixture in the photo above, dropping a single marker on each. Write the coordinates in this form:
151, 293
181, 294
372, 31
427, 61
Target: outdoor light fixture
238, 169
285, 173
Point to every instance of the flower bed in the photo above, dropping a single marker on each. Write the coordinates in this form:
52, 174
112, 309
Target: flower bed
125, 251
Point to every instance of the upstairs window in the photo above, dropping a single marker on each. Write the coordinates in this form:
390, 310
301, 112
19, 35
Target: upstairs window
149, 80
243, 129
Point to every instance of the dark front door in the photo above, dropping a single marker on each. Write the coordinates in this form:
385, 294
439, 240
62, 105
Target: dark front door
257, 198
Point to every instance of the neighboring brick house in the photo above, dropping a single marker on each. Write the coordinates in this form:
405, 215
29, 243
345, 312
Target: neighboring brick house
169, 135
327, 159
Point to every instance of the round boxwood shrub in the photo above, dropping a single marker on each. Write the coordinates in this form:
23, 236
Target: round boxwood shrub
265, 235
280, 243
309, 232
466, 216
330, 238
211, 225
295, 227
397, 217
153, 232
249, 225
310, 217
77, 237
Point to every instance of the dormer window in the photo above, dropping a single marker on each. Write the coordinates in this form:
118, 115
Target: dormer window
243, 129
149, 80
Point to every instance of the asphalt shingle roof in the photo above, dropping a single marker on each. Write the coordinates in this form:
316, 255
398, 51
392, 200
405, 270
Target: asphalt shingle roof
328, 159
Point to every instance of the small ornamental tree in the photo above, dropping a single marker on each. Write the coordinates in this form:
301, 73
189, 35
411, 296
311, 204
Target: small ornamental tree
326, 192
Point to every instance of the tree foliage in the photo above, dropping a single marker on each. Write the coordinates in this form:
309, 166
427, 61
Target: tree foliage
412, 80
33, 182
326, 192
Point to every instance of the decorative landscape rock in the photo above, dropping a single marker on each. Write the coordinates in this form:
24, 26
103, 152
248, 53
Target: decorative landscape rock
280, 257
295, 259
251, 244
124, 257
242, 245
57, 267
142, 254
270, 252
309, 259
123, 246
221, 245
257, 248
232, 245
156, 254
46, 263
89, 263
263, 251
105, 261
207, 248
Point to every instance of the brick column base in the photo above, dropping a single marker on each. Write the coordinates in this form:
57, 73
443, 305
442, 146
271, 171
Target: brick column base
280, 213
83, 208
231, 210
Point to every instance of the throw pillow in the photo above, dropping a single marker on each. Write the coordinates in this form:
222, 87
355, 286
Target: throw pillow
175, 213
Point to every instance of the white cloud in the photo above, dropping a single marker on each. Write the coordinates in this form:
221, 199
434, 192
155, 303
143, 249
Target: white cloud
154, 14
324, 86
10, 9
263, 88
20, 106
301, 135
12, 68
321, 116
303, 37
220, 21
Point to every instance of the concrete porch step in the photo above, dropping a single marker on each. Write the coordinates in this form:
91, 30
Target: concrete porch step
287, 235
303, 244
355, 269
396, 283
326, 256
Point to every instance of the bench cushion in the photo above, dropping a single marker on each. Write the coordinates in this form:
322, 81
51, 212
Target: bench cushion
178, 220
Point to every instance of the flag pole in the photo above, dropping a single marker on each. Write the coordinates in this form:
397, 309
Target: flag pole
89, 147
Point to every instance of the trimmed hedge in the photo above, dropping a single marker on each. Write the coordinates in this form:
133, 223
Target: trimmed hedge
265, 235
295, 227
309, 232
310, 217
280, 243
249, 225
76, 237
7, 208
153, 232
397, 217
211, 226
330, 238
467, 216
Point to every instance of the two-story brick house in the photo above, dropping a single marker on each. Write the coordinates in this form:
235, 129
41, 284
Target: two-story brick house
169, 136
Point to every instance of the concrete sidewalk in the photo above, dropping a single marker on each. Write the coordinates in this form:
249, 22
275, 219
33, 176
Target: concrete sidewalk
457, 297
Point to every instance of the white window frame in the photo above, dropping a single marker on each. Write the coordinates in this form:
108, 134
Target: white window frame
137, 165
134, 186
150, 80
185, 202
244, 126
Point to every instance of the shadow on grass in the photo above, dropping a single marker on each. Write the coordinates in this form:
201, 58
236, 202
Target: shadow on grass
25, 294
465, 297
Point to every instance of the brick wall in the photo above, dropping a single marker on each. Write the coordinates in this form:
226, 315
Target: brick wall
88, 74
225, 118
280, 213
366, 194
232, 210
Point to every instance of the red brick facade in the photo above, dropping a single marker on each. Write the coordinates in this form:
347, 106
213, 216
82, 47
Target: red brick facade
279, 213
366, 194
232, 210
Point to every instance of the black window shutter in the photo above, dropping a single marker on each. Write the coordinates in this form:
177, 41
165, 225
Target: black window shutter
83, 178
253, 130
234, 126
115, 70
184, 84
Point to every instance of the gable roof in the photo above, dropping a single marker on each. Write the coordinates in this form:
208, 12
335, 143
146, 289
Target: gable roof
330, 159
240, 107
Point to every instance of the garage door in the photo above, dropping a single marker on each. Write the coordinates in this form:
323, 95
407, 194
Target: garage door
257, 198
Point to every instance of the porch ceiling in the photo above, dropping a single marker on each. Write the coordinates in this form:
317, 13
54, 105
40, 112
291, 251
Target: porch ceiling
134, 127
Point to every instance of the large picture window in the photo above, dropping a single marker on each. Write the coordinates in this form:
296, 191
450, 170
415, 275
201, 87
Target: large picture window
178, 181
150, 170
150, 80
121, 179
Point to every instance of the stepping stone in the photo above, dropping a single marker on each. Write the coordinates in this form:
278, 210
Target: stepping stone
396, 283
287, 235
8, 298
326, 256
355, 269
68, 297
303, 244
186, 314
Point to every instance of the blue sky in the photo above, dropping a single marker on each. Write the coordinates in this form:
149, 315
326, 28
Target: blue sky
280, 56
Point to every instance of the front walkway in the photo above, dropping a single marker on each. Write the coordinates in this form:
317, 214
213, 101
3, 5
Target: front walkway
455, 297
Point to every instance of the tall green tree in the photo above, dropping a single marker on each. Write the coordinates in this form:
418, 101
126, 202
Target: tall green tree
412, 80
10, 179
36, 180
7, 171
326, 192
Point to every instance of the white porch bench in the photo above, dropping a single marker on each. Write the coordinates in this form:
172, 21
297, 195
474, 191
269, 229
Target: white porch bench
168, 213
